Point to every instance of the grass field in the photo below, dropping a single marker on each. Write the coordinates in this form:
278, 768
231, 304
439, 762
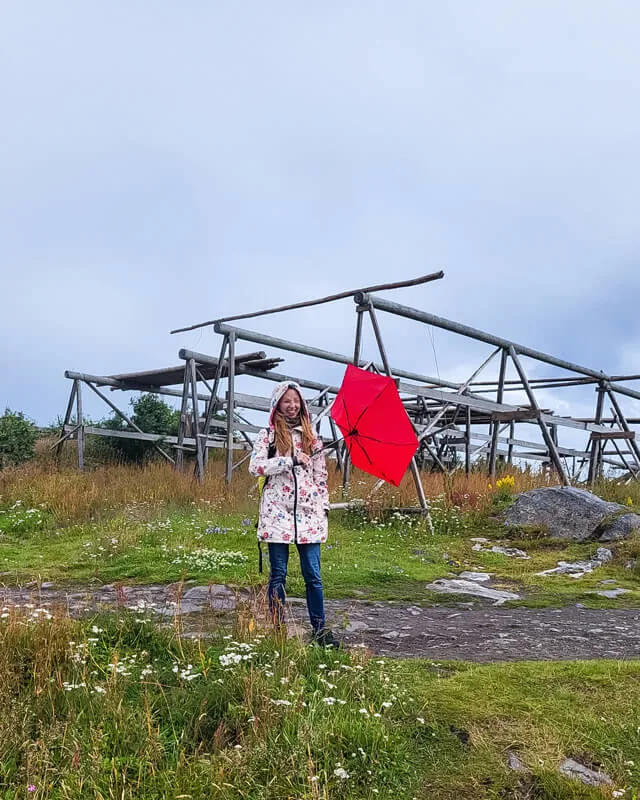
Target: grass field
122, 707
116, 708
153, 525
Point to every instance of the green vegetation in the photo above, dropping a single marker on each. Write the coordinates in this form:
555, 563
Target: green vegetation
384, 558
129, 706
116, 708
18, 437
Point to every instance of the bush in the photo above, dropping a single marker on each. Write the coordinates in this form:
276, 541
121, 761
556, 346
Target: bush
151, 415
17, 438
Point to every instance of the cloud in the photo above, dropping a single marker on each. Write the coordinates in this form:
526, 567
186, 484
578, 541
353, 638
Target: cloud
164, 168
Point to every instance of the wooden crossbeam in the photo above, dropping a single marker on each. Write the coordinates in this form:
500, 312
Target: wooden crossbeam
518, 415
599, 436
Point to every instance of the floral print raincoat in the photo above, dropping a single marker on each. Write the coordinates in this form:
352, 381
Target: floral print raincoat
295, 500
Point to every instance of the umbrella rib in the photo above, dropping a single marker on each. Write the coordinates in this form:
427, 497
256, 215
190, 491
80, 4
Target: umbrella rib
384, 441
346, 412
382, 473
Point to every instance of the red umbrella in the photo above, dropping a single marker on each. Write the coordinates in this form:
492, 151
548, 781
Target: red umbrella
377, 431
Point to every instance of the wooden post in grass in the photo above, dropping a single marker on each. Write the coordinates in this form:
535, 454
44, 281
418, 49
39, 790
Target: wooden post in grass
595, 463
467, 442
212, 405
623, 424
496, 425
415, 472
512, 435
553, 452
80, 424
346, 461
230, 405
195, 405
66, 421
183, 420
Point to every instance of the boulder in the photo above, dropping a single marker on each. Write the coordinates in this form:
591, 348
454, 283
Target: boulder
570, 513
620, 528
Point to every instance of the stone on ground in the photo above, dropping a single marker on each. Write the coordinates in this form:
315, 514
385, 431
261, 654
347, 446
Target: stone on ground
570, 513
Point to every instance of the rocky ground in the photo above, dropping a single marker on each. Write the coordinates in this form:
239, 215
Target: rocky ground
478, 631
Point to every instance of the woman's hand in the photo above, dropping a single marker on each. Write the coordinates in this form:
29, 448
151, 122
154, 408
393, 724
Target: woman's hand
302, 458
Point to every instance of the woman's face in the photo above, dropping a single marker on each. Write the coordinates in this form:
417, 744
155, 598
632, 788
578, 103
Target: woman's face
289, 404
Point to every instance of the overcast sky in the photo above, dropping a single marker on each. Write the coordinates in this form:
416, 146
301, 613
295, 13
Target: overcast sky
165, 163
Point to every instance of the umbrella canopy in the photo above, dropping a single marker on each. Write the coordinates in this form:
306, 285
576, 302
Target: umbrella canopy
377, 431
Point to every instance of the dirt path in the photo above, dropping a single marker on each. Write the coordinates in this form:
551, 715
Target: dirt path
472, 632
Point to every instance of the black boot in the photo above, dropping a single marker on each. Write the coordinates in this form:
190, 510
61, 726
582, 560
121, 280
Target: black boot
326, 638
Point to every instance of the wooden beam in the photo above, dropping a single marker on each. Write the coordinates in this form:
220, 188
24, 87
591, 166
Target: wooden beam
519, 415
596, 437
188, 442
434, 276
553, 452
230, 406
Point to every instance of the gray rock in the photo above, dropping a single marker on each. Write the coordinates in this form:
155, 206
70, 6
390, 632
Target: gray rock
603, 554
576, 569
515, 764
480, 577
573, 769
356, 625
512, 552
620, 528
564, 511
445, 586
611, 593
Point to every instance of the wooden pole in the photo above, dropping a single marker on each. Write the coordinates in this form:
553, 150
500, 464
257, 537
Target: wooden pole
415, 472
380, 343
346, 461
80, 422
67, 418
434, 276
623, 423
631, 470
213, 402
183, 420
495, 424
195, 419
512, 433
230, 405
595, 463
467, 443
553, 453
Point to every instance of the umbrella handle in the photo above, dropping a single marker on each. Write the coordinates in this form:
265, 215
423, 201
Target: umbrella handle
331, 446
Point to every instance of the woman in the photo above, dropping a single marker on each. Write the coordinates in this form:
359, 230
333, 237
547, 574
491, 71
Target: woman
294, 502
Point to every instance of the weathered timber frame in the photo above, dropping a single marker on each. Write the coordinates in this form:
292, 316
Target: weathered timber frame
448, 416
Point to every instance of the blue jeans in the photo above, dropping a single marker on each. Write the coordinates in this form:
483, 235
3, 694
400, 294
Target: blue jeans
310, 566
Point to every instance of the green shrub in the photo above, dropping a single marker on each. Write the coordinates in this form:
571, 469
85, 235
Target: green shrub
17, 438
151, 415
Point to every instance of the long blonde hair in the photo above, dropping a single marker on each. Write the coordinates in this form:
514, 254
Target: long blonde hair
284, 441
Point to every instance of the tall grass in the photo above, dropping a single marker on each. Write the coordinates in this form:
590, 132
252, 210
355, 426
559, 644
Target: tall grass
117, 708
102, 490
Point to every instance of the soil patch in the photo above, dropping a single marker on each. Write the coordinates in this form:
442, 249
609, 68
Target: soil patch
470, 631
